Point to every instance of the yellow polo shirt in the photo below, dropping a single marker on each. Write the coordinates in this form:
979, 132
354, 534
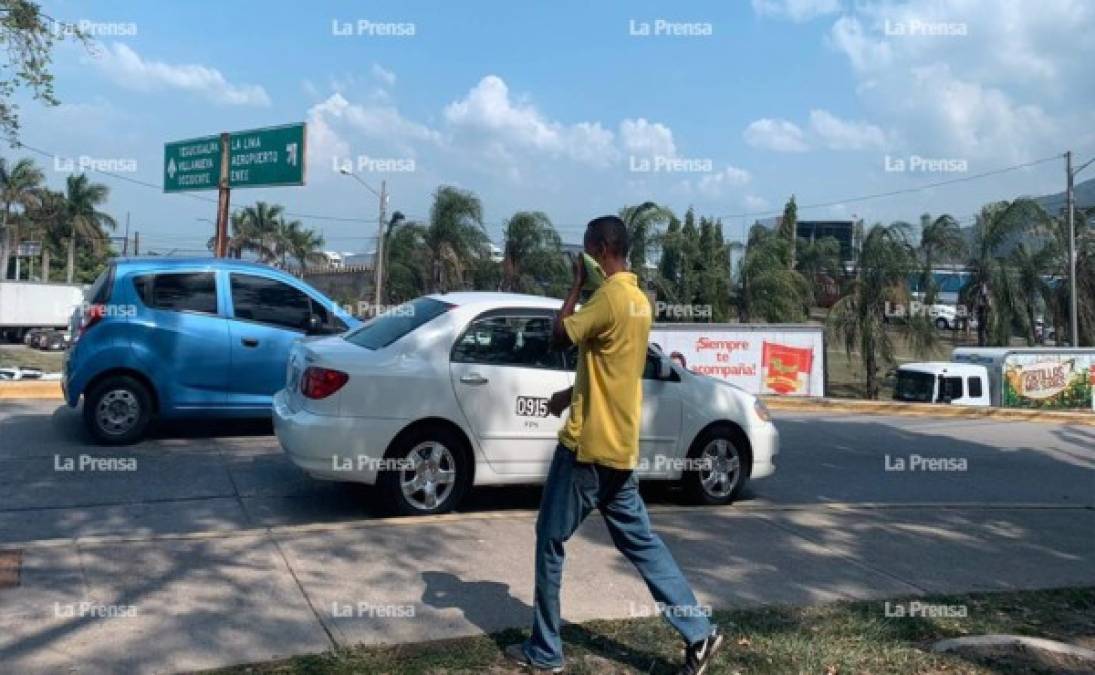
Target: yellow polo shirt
611, 331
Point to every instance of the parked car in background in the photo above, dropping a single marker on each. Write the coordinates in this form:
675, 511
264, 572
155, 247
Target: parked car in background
451, 391
162, 337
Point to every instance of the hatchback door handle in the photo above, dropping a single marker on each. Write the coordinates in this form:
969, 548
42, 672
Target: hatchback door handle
473, 378
250, 342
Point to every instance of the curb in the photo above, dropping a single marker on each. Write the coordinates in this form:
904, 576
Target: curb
31, 389
854, 406
975, 641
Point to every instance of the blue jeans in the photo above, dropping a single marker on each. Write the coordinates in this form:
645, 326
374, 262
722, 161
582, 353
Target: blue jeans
572, 490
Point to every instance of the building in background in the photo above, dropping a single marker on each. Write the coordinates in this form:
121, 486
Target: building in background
812, 230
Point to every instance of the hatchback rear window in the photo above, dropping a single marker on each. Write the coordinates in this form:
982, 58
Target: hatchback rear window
179, 291
397, 322
99, 292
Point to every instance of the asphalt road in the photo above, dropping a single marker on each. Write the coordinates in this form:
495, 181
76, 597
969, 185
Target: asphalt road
228, 476
226, 553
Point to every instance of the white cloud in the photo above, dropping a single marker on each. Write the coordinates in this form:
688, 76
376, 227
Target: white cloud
754, 203
499, 124
796, 10
647, 139
776, 135
126, 68
838, 134
716, 184
382, 74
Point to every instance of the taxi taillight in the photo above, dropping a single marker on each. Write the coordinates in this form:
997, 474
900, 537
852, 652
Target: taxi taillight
319, 382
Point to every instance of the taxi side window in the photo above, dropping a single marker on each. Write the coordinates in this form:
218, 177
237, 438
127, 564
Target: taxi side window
523, 341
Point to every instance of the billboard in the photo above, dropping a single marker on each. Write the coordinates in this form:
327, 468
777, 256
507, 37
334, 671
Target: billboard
772, 359
1049, 381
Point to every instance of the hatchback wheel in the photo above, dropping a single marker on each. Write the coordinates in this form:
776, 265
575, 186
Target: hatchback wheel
431, 473
719, 468
117, 410
942, 324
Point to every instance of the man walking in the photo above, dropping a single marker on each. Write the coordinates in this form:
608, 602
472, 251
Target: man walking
593, 466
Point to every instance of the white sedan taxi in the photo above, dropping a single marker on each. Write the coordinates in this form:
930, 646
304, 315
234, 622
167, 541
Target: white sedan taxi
450, 391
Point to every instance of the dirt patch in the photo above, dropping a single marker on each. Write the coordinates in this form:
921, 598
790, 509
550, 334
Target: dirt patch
1024, 659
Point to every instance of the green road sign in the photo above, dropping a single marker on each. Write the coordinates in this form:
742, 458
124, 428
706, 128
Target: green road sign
192, 165
257, 158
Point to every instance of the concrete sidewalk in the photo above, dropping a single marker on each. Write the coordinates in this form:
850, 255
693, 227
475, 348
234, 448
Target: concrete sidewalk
200, 600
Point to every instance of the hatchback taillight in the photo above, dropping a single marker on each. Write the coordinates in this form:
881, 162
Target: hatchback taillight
319, 382
92, 316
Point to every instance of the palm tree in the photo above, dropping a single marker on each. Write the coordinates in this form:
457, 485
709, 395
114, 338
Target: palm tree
454, 237
408, 266
990, 289
304, 244
939, 239
259, 230
642, 221
857, 320
1033, 289
48, 218
20, 185
820, 257
767, 287
533, 259
85, 220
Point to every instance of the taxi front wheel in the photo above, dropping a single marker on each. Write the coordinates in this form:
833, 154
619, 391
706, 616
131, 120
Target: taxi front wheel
718, 468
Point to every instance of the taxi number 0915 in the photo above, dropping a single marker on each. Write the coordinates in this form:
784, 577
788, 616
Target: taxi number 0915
530, 406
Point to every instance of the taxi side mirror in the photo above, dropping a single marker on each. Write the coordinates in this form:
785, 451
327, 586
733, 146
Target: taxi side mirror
665, 367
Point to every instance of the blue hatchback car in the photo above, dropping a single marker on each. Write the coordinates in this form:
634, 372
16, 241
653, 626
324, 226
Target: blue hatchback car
169, 338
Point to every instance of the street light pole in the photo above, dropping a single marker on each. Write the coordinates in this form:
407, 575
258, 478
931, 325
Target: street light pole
1070, 208
378, 259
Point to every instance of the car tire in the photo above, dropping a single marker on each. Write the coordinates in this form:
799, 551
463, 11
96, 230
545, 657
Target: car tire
117, 410
435, 452
942, 324
720, 484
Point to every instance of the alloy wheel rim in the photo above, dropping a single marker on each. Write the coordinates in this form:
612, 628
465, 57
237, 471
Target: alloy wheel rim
431, 478
721, 468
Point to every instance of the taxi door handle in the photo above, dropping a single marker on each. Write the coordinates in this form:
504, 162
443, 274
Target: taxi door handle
249, 342
473, 378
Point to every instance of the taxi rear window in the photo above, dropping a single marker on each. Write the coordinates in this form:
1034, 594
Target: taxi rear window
385, 329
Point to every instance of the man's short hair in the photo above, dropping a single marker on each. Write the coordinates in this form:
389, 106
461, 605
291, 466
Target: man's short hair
610, 231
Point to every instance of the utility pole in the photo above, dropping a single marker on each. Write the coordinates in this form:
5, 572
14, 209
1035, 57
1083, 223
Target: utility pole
1070, 214
125, 246
220, 247
137, 243
379, 257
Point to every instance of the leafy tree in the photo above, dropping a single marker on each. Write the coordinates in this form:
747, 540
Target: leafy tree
454, 237
857, 320
768, 288
533, 258
48, 221
86, 221
642, 223
788, 228
991, 289
27, 37
940, 239
20, 185
820, 257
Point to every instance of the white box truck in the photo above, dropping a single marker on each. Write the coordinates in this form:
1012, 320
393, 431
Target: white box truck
1047, 378
25, 305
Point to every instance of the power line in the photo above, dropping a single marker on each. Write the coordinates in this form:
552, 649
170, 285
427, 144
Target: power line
894, 193
158, 188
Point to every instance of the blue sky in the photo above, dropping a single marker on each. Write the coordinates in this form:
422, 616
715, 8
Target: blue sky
554, 106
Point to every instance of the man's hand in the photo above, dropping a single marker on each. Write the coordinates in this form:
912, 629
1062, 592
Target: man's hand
560, 401
579, 272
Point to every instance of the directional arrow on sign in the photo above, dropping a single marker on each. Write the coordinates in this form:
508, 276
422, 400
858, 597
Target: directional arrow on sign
171, 167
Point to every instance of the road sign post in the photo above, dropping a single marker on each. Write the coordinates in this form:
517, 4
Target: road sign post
267, 157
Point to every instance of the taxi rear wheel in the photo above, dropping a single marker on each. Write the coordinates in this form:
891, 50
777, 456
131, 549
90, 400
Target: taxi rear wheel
429, 473
719, 467
117, 410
